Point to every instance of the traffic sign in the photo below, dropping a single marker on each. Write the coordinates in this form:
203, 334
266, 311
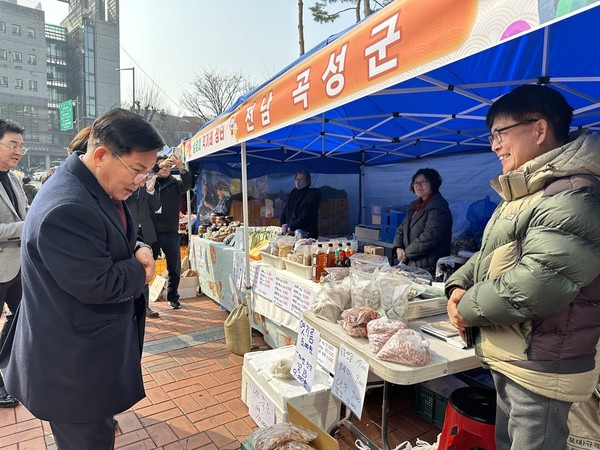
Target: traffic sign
66, 115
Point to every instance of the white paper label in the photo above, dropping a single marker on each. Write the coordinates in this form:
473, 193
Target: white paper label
350, 379
305, 357
261, 409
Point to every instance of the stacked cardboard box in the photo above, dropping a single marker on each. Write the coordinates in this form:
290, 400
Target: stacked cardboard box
334, 216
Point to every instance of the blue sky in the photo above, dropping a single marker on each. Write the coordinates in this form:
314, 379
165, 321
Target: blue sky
170, 41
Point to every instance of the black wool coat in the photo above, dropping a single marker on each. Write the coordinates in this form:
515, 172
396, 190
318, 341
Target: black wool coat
74, 352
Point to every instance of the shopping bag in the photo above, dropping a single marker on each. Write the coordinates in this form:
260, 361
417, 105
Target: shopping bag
237, 330
584, 424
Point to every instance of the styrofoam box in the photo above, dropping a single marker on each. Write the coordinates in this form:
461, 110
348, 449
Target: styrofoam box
319, 405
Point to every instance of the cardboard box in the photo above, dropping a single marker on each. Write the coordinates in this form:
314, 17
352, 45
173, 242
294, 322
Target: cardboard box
323, 440
374, 250
187, 287
367, 232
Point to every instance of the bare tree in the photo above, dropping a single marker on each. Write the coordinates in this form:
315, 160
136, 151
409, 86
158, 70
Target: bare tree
213, 92
301, 26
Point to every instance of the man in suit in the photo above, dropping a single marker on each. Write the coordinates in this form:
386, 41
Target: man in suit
13, 204
141, 205
76, 344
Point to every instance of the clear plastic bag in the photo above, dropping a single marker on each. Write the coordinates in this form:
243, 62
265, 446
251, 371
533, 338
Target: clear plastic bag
368, 263
295, 446
380, 330
269, 438
406, 346
364, 290
354, 320
394, 289
282, 369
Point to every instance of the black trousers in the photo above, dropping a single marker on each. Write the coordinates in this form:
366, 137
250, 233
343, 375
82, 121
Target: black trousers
98, 435
10, 293
169, 243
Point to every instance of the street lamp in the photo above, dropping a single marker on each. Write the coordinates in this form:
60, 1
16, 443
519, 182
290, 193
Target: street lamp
133, 76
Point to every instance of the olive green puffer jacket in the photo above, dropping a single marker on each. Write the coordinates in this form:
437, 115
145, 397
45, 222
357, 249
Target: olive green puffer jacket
533, 289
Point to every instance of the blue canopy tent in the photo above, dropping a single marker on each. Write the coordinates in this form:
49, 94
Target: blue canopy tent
434, 108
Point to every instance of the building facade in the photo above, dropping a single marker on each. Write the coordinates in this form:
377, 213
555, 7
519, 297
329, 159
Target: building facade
42, 65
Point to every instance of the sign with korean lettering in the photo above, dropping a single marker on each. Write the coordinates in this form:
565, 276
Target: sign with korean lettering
282, 293
65, 114
302, 300
401, 41
305, 357
327, 355
238, 270
261, 409
350, 379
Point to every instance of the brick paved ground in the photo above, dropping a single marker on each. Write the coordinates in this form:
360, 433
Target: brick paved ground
193, 386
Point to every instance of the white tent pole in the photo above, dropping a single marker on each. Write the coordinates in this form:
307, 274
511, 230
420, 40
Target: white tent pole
188, 202
362, 192
248, 286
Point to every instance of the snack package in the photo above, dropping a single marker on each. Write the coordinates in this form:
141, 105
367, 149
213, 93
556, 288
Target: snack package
380, 330
273, 436
406, 346
282, 369
354, 320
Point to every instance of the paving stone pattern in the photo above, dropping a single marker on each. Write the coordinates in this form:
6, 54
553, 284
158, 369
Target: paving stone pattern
193, 386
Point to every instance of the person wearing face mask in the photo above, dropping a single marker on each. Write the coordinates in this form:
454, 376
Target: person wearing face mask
426, 231
301, 211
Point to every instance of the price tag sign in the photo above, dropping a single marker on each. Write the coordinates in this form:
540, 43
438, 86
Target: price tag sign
327, 355
238, 270
156, 287
350, 379
261, 409
282, 292
305, 356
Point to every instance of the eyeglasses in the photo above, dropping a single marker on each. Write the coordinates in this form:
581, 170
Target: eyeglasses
420, 183
137, 177
16, 148
496, 135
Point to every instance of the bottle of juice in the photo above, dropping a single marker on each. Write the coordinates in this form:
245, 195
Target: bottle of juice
330, 255
342, 255
318, 263
349, 252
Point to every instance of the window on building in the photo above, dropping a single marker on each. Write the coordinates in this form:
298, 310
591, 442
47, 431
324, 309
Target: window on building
31, 32
32, 85
32, 59
3, 81
17, 57
3, 53
18, 83
16, 29
2, 27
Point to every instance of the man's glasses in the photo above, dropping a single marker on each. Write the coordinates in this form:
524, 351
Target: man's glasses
420, 183
137, 177
496, 135
16, 148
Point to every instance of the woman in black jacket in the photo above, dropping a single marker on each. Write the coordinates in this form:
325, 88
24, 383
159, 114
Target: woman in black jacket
425, 233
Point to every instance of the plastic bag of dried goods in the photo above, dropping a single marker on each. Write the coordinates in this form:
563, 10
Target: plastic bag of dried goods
406, 346
380, 330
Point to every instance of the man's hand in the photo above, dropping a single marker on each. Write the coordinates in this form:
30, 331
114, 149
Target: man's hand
401, 255
455, 318
144, 256
284, 228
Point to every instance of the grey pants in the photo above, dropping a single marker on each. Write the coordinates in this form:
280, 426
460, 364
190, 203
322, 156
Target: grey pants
525, 420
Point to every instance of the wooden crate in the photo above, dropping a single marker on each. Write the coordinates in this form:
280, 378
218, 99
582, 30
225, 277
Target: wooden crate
253, 211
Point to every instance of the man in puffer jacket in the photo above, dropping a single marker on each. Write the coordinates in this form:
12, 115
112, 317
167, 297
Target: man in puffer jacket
533, 289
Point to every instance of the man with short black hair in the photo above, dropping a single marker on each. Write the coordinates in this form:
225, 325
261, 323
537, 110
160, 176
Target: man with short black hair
166, 220
76, 345
13, 205
532, 292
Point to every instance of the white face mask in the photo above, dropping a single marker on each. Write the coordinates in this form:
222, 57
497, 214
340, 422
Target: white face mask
301, 184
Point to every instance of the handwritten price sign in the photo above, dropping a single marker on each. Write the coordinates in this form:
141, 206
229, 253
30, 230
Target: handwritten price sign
350, 379
261, 409
305, 356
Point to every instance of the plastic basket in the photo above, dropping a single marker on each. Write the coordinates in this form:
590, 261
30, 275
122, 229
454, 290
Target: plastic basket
274, 261
430, 406
299, 269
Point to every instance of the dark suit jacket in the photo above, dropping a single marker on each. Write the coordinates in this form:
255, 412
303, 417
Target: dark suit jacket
77, 338
425, 237
142, 206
